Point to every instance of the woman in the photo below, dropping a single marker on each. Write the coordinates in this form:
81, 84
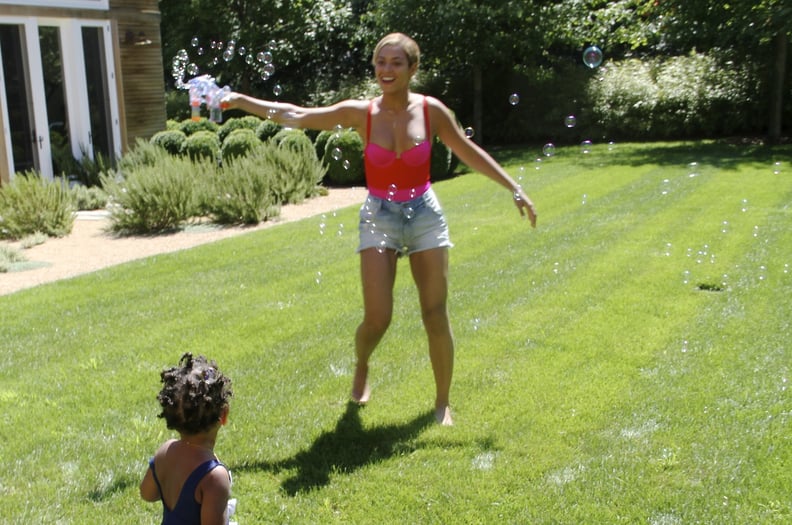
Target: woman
401, 214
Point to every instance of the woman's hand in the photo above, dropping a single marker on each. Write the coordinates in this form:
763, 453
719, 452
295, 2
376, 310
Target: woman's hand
525, 205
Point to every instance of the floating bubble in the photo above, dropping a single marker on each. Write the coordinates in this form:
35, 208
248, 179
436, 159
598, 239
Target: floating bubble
269, 69
538, 163
192, 69
549, 149
570, 121
611, 146
585, 146
592, 56
514, 99
194, 42
391, 192
777, 168
686, 277
318, 277
346, 164
277, 90
469, 132
337, 154
585, 198
744, 207
272, 44
265, 57
228, 54
242, 51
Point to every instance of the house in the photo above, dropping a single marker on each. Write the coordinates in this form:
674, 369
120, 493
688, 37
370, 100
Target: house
79, 78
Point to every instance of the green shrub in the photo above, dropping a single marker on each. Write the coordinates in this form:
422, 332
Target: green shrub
171, 124
239, 143
683, 96
30, 204
189, 126
321, 141
443, 161
241, 193
343, 157
250, 122
267, 129
158, 198
143, 153
202, 145
177, 104
9, 256
296, 140
171, 141
88, 198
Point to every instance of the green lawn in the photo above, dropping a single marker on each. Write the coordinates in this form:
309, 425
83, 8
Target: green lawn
626, 362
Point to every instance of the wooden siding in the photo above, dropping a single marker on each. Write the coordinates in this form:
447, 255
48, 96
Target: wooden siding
139, 66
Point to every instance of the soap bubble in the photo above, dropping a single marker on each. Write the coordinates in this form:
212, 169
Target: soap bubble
337, 154
570, 121
277, 90
469, 132
265, 57
194, 41
549, 149
777, 168
592, 56
585, 146
514, 99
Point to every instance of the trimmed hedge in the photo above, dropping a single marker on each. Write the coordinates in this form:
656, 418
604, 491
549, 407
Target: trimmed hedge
202, 144
239, 143
343, 157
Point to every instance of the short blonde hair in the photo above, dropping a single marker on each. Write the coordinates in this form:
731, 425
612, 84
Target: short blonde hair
407, 44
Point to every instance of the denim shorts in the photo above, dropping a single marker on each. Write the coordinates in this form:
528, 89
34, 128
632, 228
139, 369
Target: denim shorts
405, 227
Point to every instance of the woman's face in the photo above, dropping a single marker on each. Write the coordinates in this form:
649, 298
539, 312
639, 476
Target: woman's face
392, 69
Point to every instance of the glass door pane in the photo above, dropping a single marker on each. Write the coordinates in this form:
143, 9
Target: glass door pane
98, 97
20, 119
55, 96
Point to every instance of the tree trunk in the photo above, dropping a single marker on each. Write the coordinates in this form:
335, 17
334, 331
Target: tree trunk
478, 103
777, 82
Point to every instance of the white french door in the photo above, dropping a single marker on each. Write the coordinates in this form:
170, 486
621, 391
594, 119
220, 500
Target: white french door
58, 97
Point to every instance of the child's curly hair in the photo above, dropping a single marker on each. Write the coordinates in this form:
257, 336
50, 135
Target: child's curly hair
194, 394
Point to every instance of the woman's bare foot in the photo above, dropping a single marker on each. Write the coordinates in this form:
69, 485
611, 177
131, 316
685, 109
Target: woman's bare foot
443, 416
360, 388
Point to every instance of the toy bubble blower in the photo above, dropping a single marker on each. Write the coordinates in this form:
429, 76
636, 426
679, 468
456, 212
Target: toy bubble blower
204, 91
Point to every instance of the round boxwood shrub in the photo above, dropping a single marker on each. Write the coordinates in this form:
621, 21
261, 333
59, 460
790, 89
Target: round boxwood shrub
267, 129
343, 157
443, 161
294, 139
202, 144
321, 141
250, 122
239, 143
190, 126
171, 140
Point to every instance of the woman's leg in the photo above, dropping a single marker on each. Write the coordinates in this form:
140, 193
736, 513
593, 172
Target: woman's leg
378, 273
430, 272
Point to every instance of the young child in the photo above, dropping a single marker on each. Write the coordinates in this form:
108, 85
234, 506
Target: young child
184, 473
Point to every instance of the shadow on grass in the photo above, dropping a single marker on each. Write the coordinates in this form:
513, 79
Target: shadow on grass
342, 450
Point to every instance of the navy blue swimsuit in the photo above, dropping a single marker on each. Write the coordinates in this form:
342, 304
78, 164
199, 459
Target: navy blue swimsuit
187, 510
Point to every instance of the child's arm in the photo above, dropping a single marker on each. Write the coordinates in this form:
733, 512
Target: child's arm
215, 488
148, 487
